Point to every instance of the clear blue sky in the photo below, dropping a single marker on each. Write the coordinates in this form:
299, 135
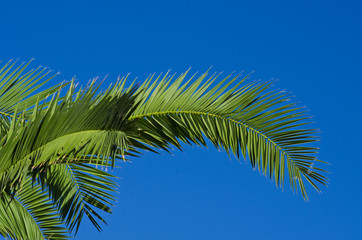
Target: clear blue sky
314, 48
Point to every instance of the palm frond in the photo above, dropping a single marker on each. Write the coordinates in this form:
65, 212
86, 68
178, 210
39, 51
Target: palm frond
78, 190
84, 125
58, 143
19, 87
80, 127
30, 215
252, 121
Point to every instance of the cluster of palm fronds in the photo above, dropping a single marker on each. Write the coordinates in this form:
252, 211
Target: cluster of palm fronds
51, 142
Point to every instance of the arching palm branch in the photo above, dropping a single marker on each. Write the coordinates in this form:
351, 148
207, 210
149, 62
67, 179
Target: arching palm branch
53, 146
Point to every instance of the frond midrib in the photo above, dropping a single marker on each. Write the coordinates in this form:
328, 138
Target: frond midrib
73, 177
216, 116
66, 135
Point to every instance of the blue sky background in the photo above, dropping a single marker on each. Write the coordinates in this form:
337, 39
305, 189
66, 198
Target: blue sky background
314, 49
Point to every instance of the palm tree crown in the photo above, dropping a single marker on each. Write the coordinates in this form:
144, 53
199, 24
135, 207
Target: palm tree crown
51, 143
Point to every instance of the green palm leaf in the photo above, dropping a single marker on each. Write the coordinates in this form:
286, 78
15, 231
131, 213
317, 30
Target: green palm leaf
81, 127
78, 190
252, 120
18, 85
59, 143
30, 215
73, 128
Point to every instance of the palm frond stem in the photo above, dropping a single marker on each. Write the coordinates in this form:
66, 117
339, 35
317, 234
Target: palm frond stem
216, 116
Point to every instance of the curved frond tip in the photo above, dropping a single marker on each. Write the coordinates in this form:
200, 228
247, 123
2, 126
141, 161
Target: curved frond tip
252, 121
